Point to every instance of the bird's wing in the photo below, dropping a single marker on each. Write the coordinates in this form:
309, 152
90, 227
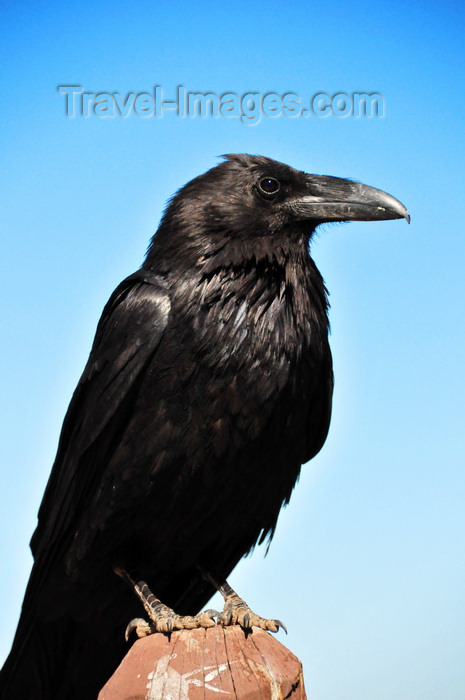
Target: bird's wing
319, 415
128, 334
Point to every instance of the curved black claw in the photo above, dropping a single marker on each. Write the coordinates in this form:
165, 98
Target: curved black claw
221, 619
281, 624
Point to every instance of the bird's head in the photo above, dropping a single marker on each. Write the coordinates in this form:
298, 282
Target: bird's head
252, 203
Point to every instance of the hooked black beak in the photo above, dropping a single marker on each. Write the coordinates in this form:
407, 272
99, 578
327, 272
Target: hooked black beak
336, 199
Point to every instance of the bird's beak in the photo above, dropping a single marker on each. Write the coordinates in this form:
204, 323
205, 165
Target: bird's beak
336, 199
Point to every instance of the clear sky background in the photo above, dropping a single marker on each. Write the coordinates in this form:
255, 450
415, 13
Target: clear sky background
367, 566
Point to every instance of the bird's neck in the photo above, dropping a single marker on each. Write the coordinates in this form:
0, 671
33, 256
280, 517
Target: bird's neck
270, 302
261, 284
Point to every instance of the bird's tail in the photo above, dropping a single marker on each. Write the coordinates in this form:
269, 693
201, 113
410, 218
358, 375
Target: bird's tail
53, 660
60, 658
32, 661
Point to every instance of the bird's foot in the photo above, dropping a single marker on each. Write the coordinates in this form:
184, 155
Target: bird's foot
164, 619
237, 612
161, 617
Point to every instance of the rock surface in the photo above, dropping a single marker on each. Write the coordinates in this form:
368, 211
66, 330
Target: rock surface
202, 664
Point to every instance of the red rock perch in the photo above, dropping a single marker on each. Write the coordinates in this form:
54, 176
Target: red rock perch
206, 664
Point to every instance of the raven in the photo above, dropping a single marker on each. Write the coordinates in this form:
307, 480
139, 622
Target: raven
208, 385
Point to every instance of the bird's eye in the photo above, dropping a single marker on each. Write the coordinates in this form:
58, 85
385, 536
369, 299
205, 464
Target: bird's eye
269, 186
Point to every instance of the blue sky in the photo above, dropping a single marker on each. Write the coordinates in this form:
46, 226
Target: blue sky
367, 566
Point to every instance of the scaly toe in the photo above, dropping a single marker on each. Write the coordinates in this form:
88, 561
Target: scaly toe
141, 626
165, 620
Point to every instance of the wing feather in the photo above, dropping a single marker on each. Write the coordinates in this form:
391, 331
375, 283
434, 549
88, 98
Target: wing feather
128, 334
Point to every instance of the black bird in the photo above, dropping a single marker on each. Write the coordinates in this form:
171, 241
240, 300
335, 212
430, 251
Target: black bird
208, 385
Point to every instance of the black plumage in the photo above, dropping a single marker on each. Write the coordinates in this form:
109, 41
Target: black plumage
208, 385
